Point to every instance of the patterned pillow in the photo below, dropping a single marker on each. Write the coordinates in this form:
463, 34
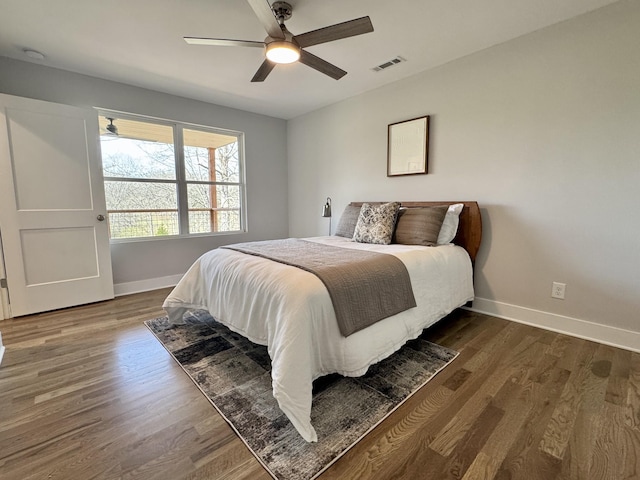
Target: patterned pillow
376, 223
348, 220
419, 226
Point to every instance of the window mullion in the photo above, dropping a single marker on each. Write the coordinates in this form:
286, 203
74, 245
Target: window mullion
183, 200
243, 184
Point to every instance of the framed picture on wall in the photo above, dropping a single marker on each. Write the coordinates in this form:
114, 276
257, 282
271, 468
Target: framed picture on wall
408, 147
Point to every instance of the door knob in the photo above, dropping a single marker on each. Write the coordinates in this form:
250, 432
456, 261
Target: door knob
100, 218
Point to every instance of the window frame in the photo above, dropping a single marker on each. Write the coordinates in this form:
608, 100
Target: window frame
180, 180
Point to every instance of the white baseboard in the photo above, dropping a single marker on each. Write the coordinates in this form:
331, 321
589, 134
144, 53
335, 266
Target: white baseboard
128, 288
616, 337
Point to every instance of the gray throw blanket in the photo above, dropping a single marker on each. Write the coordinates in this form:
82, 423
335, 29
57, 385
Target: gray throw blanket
365, 287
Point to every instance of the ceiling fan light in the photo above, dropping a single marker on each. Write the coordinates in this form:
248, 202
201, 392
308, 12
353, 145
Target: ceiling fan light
283, 52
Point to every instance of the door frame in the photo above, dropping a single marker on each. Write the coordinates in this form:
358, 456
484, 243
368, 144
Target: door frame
5, 307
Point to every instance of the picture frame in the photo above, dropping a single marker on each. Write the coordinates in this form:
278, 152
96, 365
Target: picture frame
408, 147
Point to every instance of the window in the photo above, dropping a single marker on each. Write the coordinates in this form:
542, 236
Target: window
165, 178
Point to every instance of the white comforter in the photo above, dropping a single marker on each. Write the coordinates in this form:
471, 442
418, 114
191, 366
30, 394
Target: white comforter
289, 310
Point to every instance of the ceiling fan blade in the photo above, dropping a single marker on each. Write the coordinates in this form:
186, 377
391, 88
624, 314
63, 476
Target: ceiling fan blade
263, 11
263, 71
347, 29
310, 60
222, 42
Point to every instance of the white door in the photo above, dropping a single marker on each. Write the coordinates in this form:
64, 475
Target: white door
52, 206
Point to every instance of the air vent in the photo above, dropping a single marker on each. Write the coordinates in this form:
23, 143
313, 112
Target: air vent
390, 63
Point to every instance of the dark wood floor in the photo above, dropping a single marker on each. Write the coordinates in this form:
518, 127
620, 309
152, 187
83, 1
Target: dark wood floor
88, 392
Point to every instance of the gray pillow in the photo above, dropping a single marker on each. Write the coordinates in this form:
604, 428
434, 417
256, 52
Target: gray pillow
348, 220
420, 226
376, 223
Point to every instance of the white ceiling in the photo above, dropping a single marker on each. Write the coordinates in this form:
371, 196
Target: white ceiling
139, 42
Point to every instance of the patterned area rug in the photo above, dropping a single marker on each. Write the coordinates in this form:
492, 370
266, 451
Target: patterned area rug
234, 374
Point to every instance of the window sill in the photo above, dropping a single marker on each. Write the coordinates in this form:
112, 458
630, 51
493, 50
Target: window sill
161, 238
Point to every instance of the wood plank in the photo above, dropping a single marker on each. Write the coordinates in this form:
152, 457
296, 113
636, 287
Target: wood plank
619, 378
524, 460
474, 440
577, 460
632, 404
516, 401
560, 426
608, 454
448, 437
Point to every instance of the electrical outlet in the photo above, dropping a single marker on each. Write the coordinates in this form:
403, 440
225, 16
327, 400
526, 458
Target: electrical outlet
557, 290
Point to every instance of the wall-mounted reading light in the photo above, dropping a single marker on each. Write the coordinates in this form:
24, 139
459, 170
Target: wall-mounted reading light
326, 212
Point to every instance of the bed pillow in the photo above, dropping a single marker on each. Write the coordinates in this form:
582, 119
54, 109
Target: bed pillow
376, 223
348, 220
450, 224
419, 226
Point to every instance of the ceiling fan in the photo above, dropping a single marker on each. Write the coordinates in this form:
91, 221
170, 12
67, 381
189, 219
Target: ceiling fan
284, 47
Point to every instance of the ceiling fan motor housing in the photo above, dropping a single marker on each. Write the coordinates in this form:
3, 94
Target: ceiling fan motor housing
111, 128
282, 11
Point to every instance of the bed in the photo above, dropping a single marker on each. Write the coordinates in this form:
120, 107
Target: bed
290, 311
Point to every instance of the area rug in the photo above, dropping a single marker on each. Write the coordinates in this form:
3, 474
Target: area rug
234, 374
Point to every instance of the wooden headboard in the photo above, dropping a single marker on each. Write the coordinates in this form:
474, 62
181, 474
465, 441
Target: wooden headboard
470, 230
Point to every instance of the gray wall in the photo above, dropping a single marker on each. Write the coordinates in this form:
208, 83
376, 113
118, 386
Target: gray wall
543, 131
265, 150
